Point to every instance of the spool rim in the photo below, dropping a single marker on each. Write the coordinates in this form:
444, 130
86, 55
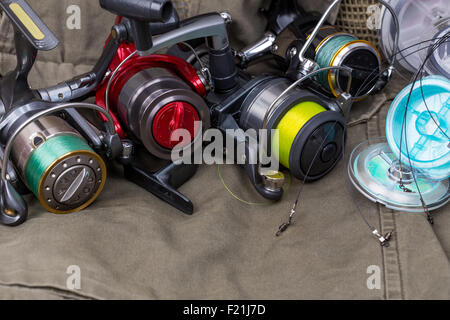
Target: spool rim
55, 163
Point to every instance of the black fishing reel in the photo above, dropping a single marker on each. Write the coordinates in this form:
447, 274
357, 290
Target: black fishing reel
309, 128
306, 43
47, 148
154, 96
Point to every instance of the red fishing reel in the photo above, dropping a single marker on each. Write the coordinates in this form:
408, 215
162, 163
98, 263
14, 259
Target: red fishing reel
151, 97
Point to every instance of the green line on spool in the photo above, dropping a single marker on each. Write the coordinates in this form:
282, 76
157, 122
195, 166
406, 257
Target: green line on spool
326, 54
290, 125
47, 153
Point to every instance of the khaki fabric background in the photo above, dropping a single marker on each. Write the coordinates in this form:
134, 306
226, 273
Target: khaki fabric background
130, 245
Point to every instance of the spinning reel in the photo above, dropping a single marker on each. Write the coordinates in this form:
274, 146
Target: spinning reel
152, 96
310, 129
302, 44
51, 145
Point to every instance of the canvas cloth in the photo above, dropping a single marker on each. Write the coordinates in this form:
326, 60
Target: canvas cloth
130, 245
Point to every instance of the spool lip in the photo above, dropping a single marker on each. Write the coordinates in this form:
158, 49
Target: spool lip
383, 189
302, 138
435, 88
55, 163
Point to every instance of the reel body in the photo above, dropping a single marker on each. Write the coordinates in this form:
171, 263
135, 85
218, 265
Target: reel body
151, 99
305, 44
51, 158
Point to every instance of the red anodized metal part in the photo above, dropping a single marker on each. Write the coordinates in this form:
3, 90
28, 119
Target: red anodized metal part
175, 115
136, 64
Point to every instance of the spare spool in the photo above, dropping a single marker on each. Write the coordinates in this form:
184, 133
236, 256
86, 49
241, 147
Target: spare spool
310, 137
58, 166
375, 171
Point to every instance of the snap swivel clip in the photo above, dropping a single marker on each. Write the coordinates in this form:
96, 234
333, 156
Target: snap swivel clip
384, 240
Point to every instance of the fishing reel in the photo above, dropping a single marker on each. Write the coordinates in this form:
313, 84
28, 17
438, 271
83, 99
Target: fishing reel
47, 148
153, 96
309, 130
303, 44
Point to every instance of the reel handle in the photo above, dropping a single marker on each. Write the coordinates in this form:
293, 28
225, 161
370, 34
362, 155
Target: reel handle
212, 27
29, 24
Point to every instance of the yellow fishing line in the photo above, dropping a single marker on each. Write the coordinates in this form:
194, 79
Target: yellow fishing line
290, 125
286, 188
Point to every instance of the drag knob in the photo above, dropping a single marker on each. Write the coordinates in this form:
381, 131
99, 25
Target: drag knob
174, 116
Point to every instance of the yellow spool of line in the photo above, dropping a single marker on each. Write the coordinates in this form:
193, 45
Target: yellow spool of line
289, 126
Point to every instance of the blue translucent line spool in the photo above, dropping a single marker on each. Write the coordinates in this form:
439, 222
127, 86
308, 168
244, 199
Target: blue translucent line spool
428, 146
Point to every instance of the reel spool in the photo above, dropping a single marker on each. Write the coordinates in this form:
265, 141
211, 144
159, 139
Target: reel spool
58, 166
305, 128
152, 97
335, 48
398, 177
417, 20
